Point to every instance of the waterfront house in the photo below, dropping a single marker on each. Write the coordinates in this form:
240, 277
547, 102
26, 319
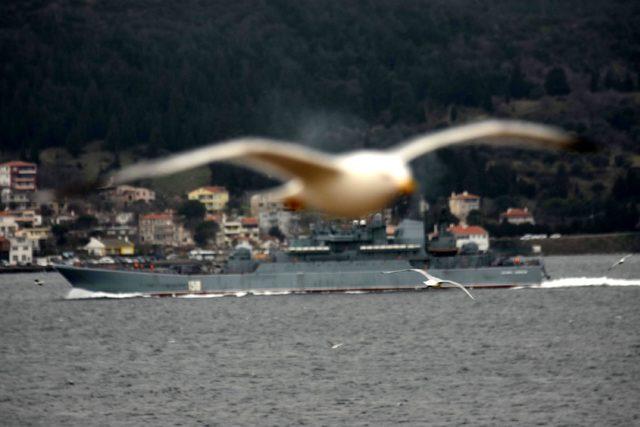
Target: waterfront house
214, 198
461, 204
21, 251
161, 229
517, 216
18, 176
126, 195
470, 234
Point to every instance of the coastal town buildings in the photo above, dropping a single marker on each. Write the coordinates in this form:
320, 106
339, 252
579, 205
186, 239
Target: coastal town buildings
125, 195
162, 229
461, 204
36, 235
15, 199
27, 217
18, 176
8, 224
109, 246
21, 251
517, 216
240, 229
470, 234
272, 214
157, 228
214, 198
5, 249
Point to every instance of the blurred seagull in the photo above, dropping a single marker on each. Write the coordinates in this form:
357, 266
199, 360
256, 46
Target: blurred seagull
432, 281
620, 261
38, 282
351, 184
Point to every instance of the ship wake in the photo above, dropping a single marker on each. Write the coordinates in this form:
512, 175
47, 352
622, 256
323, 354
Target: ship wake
80, 294
575, 282
77, 293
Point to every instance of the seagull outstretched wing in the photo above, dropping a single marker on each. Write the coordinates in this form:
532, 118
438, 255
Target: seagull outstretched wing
417, 270
282, 159
493, 132
351, 184
620, 261
433, 279
457, 285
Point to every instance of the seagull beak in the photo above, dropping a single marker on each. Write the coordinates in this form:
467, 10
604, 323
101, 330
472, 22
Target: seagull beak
408, 187
293, 204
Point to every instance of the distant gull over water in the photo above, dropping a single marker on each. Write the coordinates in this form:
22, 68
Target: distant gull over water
620, 261
335, 345
38, 282
432, 281
351, 184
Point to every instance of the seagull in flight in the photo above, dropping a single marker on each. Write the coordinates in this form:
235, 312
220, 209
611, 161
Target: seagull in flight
38, 282
620, 261
432, 281
334, 345
351, 184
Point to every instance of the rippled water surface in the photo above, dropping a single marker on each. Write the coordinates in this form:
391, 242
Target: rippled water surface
562, 354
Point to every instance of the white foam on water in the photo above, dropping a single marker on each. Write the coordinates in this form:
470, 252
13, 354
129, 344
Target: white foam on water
241, 294
270, 293
200, 296
355, 292
575, 282
77, 293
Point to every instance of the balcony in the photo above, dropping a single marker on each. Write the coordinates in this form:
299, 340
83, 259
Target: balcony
24, 187
26, 171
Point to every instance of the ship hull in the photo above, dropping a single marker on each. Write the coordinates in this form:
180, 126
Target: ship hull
352, 276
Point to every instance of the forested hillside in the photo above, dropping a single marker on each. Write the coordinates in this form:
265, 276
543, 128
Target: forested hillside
171, 75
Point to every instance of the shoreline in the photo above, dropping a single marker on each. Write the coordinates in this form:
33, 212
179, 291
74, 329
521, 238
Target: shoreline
575, 244
581, 244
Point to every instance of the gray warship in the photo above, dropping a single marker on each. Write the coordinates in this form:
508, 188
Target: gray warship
330, 259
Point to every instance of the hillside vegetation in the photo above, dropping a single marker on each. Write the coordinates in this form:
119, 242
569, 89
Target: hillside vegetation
150, 76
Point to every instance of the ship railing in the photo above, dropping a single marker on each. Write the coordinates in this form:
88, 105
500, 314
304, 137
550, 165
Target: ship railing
308, 249
394, 247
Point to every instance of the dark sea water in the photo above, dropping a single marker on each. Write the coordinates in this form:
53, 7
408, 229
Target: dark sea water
565, 354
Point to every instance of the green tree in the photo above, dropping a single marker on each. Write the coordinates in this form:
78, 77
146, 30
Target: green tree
277, 233
556, 82
518, 86
193, 212
60, 234
206, 232
594, 82
84, 222
475, 217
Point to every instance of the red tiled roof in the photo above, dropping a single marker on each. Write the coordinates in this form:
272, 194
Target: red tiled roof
211, 217
464, 196
249, 221
471, 229
18, 163
162, 216
516, 213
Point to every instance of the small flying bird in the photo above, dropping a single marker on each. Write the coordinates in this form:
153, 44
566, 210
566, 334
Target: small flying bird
38, 282
620, 261
334, 345
351, 184
432, 281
